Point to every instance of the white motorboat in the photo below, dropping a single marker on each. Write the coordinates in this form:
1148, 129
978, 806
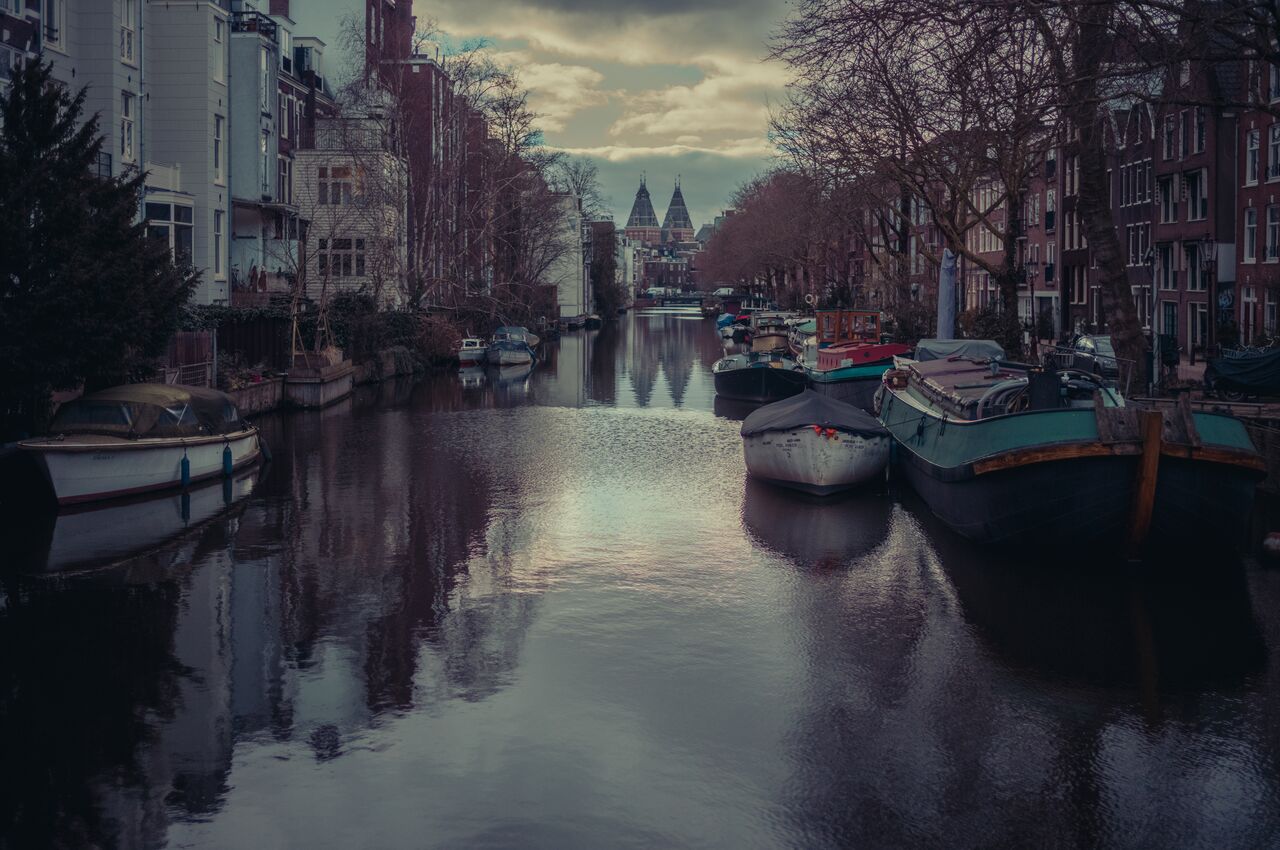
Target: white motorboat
472, 352
142, 437
816, 444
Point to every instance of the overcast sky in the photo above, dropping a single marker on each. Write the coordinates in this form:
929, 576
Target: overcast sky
659, 86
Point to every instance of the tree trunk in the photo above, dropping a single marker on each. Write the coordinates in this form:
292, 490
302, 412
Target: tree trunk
1084, 112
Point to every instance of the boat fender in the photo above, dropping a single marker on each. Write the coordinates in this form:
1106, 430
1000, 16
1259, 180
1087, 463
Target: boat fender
185, 467
228, 463
920, 429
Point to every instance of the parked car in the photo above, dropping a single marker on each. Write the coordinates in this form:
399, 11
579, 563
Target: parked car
1095, 354
724, 292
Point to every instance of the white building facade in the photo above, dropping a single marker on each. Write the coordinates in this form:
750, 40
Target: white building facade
352, 189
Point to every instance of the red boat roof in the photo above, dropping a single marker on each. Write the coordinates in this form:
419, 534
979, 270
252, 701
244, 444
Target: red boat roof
858, 354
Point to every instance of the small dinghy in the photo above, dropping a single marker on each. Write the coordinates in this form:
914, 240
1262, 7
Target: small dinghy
816, 444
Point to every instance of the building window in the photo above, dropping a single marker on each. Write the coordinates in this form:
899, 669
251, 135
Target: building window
172, 224
1195, 189
1201, 130
55, 19
282, 115
1166, 272
1199, 323
219, 50
1195, 274
218, 122
1275, 83
1170, 134
126, 30
1184, 135
1273, 233
126, 127
217, 243
341, 257
1250, 236
1270, 314
1168, 201
1169, 317
1253, 140
265, 150
264, 80
1273, 152
284, 181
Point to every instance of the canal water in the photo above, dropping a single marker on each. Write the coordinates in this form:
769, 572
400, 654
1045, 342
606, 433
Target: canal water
550, 611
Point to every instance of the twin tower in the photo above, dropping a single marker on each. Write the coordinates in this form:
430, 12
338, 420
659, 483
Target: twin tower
643, 222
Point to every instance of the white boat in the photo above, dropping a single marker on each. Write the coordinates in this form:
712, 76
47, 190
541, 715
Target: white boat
142, 437
816, 444
472, 352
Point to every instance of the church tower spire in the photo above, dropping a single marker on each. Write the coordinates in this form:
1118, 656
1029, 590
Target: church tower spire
642, 224
677, 226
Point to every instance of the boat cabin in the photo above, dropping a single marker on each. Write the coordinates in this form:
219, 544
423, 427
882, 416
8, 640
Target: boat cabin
843, 326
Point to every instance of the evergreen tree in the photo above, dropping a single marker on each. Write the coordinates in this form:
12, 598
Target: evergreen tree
85, 297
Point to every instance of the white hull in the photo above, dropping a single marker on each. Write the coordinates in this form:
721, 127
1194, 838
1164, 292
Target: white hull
471, 356
813, 462
503, 357
86, 469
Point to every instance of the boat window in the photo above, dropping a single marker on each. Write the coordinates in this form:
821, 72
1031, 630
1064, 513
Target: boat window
80, 414
178, 417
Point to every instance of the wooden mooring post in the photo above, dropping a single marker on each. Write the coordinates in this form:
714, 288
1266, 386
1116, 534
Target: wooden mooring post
1150, 429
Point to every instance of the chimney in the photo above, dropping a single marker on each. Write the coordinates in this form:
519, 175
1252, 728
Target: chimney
280, 7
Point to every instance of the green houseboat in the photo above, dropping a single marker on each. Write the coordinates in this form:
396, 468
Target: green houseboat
1007, 454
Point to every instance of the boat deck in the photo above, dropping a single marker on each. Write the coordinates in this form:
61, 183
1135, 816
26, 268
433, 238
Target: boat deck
957, 386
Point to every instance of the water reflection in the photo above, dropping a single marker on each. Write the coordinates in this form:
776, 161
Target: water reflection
451, 613
815, 531
99, 534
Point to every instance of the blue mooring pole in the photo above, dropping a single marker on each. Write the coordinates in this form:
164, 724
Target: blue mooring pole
227, 463
186, 471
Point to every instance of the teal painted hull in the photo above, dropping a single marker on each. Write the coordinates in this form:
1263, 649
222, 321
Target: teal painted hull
1058, 506
855, 385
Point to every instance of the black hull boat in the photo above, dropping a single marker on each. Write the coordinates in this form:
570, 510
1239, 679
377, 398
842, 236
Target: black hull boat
757, 378
1065, 463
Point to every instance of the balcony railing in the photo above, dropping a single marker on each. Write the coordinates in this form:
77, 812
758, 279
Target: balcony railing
255, 22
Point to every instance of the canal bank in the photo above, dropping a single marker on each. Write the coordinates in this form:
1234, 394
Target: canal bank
552, 611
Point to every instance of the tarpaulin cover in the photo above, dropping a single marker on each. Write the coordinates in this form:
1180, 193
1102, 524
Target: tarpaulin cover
149, 410
725, 320
810, 408
969, 349
1260, 371
809, 326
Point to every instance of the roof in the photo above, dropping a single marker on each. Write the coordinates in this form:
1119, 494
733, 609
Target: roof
642, 214
677, 217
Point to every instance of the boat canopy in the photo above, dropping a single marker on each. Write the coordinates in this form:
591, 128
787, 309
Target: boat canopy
809, 409
967, 349
149, 410
808, 327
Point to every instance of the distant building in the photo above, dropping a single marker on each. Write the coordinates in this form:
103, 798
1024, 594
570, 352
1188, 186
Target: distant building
676, 226
642, 224
568, 272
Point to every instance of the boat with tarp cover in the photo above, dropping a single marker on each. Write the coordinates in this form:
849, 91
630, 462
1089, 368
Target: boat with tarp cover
815, 444
142, 437
1054, 460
